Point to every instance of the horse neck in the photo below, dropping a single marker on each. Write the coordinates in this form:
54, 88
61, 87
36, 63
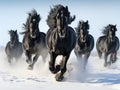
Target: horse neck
109, 40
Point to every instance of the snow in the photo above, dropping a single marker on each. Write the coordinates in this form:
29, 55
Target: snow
96, 77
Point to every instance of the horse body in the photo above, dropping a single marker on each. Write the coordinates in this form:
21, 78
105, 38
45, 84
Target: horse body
60, 39
34, 40
108, 44
84, 44
60, 45
13, 48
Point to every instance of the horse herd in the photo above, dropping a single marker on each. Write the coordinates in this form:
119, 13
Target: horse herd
60, 39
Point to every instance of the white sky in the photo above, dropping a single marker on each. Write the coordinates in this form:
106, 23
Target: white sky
98, 13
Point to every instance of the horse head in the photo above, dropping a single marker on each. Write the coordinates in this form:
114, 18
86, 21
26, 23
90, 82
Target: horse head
110, 31
13, 37
82, 30
61, 23
32, 23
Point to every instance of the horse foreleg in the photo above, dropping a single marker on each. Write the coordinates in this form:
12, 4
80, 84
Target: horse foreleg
86, 60
99, 53
59, 76
105, 57
52, 62
9, 59
114, 57
28, 56
30, 67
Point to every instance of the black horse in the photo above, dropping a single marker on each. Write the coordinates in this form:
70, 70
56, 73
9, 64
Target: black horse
108, 44
34, 40
84, 44
13, 48
61, 39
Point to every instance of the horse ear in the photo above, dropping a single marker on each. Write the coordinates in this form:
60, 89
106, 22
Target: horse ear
67, 8
29, 14
9, 31
16, 31
79, 22
115, 25
39, 16
87, 21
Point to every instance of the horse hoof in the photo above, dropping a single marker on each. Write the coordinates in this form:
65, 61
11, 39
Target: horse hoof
105, 65
59, 77
113, 61
29, 62
30, 67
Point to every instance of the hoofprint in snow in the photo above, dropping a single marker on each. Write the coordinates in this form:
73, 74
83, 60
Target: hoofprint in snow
96, 77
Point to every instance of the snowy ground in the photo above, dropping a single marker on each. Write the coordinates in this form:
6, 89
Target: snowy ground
96, 77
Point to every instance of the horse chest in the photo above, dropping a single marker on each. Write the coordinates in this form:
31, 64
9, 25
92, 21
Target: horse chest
61, 46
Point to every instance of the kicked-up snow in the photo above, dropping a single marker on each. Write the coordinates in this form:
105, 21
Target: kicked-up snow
16, 76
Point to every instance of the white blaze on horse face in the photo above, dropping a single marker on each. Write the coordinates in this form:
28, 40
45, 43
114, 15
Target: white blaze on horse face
32, 33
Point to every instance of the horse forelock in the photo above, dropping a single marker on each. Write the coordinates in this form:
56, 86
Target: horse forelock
82, 24
51, 20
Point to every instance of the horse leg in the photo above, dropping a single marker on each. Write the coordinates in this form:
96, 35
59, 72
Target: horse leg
105, 57
28, 56
99, 53
52, 63
30, 67
44, 55
114, 57
86, 60
111, 59
9, 59
59, 76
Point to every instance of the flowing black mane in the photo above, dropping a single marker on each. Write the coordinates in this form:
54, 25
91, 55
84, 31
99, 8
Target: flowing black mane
31, 15
108, 27
51, 20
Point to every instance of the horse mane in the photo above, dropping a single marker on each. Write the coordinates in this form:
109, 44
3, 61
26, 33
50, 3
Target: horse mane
32, 13
106, 29
79, 24
51, 20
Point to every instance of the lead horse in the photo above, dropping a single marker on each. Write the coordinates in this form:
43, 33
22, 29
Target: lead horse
34, 40
84, 44
108, 44
60, 39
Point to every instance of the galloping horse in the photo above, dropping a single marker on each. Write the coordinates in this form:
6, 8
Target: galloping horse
13, 48
34, 40
85, 42
61, 39
108, 44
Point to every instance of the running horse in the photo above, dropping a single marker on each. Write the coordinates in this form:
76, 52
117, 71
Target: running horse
34, 40
108, 44
84, 44
13, 48
60, 39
